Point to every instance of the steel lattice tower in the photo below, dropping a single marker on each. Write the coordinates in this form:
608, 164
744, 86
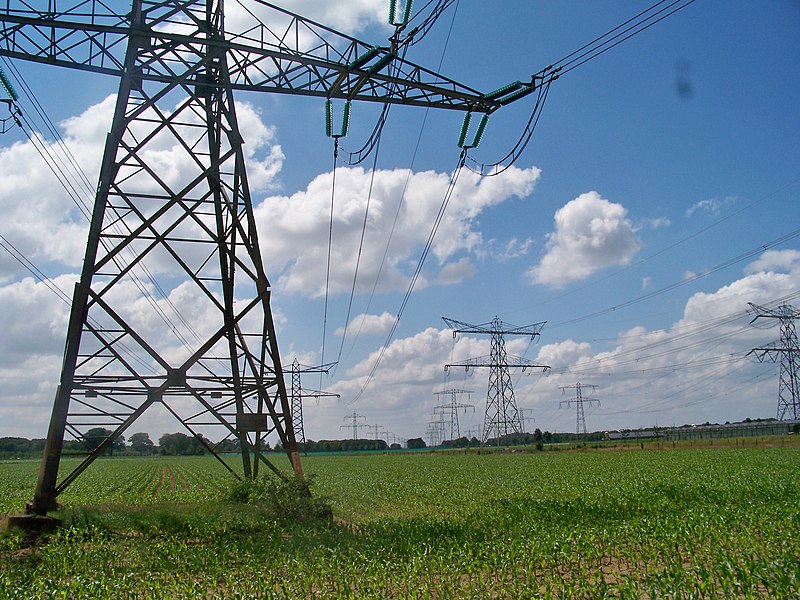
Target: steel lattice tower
298, 394
451, 409
354, 423
579, 400
502, 415
159, 240
789, 352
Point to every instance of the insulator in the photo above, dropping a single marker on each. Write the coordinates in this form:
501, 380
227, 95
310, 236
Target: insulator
12, 93
384, 60
515, 96
346, 119
364, 58
481, 128
504, 90
328, 117
464, 128
407, 12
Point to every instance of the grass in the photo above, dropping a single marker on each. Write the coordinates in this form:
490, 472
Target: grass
673, 524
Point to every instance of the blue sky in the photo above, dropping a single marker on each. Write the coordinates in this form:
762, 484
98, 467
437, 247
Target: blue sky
652, 167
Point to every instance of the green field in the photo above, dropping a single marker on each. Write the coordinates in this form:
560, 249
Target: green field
707, 523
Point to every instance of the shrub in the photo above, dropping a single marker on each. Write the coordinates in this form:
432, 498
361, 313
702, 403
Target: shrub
286, 501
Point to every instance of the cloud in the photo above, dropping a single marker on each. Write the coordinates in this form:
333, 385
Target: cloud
776, 261
656, 223
511, 249
296, 228
712, 206
456, 272
590, 234
369, 324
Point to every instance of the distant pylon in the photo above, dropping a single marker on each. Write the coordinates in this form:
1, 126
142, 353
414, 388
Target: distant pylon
787, 349
375, 430
502, 416
354, 424
579, 401
298, 393
451, 409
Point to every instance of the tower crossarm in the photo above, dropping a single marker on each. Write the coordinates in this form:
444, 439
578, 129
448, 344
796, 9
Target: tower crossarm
300, 368
319, 394
291, 54
772, 352
496, 326
783, 312
512, 362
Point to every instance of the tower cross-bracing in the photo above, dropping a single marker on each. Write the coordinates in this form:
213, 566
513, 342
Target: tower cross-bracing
502, 416
787, 351
183, 247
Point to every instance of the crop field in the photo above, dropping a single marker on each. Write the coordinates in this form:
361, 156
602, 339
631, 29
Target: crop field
707, 523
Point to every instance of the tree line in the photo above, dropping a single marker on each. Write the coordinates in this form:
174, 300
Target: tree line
177, 444
169, 444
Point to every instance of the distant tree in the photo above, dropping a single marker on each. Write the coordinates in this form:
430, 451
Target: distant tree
537, 435
415, 443
395, 446
97, 435
141, 443
233, 445
175, 444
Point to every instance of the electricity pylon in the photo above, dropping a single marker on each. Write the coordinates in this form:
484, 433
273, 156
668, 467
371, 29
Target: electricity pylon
354, 423
789, 352
160, 240
436, 429
298, 394
579, 401
375, 430
502, 416
452, 408
525, 415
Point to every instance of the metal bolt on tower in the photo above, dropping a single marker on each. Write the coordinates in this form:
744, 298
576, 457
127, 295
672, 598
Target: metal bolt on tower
502, 416
160, 240
579, 401
788, 350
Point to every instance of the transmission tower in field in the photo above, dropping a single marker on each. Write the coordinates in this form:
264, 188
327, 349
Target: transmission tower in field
502, 416
182, 247
355, 423
450, 410
579, 401
298, 393
375, 429
788, 352
436, 431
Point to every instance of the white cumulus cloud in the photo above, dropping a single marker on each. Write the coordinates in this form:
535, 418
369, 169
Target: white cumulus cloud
297, 227
591, 233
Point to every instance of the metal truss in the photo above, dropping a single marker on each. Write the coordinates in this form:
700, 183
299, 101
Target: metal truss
502, 417
173, 304
787, 351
